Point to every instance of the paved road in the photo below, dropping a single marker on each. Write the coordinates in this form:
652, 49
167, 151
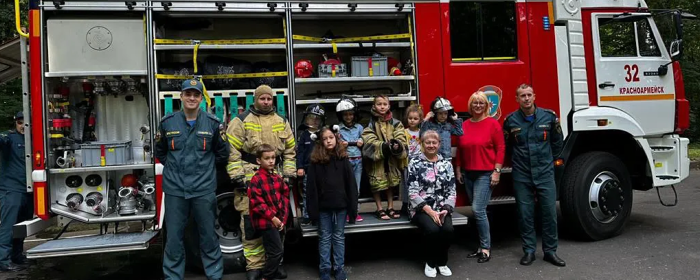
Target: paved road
658, 243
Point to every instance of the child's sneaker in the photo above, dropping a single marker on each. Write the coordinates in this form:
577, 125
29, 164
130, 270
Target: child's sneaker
359, 218
445, 271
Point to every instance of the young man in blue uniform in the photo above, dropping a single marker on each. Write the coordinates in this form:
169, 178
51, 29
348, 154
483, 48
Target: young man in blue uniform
16, 204
189, 146
534, 140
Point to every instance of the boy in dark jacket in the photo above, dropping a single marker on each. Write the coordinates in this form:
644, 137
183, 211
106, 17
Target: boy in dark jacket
269, 201
314, 119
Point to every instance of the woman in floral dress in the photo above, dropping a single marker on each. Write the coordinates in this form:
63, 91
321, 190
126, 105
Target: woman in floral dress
432, 192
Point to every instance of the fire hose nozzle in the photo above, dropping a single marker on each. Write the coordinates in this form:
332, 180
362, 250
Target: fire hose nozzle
127, 191
74, 200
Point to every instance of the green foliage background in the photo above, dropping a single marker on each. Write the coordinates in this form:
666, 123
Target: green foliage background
11, 92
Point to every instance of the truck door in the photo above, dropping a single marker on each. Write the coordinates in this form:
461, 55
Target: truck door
627, 57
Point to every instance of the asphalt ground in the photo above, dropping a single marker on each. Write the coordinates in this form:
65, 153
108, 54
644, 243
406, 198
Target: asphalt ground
658, 243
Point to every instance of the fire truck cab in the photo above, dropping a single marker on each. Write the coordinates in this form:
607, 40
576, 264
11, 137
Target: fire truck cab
103, 73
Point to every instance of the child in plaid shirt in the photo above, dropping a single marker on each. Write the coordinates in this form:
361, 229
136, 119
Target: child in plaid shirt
269, 201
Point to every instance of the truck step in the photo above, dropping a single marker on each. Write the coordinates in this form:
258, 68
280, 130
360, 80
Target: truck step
505, 199
667, 177
662, 148
372, 223
96, 244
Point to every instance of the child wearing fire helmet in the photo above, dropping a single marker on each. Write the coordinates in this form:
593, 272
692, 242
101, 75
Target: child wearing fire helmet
443, 119
314, 118
351, 136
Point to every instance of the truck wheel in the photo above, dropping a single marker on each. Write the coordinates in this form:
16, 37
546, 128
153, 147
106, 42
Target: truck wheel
229, 233
596, 197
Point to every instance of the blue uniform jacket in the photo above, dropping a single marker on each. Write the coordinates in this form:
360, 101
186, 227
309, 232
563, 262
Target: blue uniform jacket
533, 145
304, 147
12, 165
445, 130
352, 135
189, 154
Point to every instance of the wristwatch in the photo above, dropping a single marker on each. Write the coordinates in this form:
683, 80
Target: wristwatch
498, 170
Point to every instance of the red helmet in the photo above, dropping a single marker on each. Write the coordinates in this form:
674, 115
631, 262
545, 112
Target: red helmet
304, 68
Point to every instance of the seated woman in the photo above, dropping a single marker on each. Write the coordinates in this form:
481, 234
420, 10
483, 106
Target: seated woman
432, 192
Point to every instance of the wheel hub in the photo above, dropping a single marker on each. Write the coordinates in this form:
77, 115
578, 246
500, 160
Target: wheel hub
227, 224
606, 197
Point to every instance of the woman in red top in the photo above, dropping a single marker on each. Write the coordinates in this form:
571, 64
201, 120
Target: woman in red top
480, 153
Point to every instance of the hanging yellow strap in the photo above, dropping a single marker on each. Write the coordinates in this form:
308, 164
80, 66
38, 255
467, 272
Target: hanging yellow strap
335, 47
410, 36
196, 49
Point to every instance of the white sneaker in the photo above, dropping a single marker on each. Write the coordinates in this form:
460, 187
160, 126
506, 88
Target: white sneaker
430, 271
445, 271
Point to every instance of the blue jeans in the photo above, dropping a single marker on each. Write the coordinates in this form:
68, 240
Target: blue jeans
479, 191
357, 170
304, 212
331, 228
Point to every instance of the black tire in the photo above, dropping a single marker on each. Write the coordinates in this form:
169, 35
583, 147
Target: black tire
575, 199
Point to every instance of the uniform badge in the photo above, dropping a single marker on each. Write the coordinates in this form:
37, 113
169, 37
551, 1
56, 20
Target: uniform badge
193, 82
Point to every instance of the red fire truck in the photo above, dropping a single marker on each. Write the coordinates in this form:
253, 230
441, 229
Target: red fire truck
102, 73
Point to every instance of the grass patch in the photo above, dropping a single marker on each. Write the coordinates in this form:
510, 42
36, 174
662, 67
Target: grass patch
694, 151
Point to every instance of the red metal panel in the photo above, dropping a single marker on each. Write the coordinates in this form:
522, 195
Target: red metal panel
682, 104
159, 197
464, 78
543, 60
429, 54
37, 114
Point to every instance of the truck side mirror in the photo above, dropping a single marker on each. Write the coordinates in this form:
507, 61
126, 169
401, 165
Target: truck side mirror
675, 50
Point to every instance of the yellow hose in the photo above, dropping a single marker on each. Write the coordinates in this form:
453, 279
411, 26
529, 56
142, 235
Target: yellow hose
19, 28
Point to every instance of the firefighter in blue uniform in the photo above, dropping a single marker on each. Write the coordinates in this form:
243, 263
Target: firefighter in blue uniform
189, 145
16, 204
534, 139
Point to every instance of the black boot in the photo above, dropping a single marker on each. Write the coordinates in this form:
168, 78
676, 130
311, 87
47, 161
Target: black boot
554, 259
527, 259
281, 273
254, 274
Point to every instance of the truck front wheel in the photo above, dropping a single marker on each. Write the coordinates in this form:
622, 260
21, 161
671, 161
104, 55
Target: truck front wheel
596, 196
229, 233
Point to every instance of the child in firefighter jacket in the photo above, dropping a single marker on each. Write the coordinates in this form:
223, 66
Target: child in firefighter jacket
385, 149
269, 201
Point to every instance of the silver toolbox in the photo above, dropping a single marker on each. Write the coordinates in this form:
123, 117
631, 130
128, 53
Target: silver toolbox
96, 45
326, 70
361, 64
116, 153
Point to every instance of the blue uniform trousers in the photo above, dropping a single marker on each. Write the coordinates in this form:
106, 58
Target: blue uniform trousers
547, 199
15, 207
177, 212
